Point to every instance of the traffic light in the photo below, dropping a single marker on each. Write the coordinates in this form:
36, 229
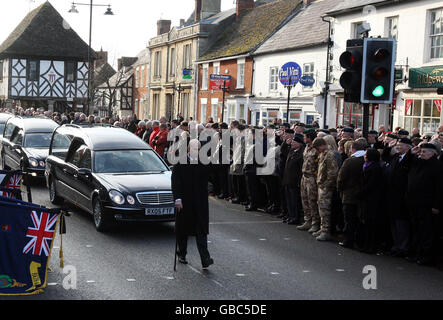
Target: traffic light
378, 70
351, 60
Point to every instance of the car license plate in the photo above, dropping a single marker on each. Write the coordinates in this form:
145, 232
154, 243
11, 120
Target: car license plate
158, 211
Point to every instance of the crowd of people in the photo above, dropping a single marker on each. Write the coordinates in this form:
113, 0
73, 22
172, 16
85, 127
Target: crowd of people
379, 194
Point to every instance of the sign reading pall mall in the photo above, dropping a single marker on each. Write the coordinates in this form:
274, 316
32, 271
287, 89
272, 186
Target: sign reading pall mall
427, 77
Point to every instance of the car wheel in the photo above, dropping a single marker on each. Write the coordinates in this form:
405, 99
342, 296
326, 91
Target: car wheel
53, 197
102, 221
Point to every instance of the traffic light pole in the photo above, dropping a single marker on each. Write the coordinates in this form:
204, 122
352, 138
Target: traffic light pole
289, 100
366, 107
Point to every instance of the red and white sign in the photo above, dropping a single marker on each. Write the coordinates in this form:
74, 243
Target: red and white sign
217, 81
408, 105
437, 103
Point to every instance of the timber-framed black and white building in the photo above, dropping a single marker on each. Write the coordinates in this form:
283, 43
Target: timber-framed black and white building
44, 63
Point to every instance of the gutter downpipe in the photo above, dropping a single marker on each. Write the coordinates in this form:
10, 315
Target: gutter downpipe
326, 90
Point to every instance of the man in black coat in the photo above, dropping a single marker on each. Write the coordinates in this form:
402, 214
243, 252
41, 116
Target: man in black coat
424, 196
292, 179
397, 172
190, 189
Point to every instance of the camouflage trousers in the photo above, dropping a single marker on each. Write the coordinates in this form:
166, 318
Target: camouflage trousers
309, 200
324, 209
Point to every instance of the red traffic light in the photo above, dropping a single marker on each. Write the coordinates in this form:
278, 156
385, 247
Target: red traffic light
381, 54
349, 60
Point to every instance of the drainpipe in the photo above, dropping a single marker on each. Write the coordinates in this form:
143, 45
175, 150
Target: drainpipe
326, 90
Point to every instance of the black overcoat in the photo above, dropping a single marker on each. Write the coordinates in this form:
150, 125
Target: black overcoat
397, 180
190, 184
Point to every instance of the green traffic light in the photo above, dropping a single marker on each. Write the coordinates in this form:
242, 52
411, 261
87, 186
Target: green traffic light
378, 91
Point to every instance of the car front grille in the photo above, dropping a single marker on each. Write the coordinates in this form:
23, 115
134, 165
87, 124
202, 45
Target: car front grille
155, 198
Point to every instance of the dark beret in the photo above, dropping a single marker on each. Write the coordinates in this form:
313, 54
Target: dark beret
309, 131
333, 130
301, 125
405, 141
299, 138
403, 132
391, 135
287, 125
289, 131
325, 131
373, 132
348, 130
429, 146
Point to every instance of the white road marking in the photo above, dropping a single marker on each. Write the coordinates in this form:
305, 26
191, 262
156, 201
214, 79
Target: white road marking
52, 283
235, 240
262, 239
340, 270
169, 278
193, 269
130, 280
275, 273
89, 246
286, 239
90, 281
306, 271
240, 274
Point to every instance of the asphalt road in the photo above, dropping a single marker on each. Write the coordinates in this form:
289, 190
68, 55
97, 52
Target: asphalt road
256, 257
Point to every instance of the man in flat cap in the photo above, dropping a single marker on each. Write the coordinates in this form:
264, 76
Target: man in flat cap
424, 194
348, 133
397, 172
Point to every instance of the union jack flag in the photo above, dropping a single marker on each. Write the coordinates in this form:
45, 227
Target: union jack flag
11, 180
41, 234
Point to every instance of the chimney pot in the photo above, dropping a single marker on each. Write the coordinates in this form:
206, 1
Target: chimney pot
163, 26
243, 5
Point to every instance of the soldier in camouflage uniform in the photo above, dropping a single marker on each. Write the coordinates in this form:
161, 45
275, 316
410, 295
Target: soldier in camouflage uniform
308, 184
326, 181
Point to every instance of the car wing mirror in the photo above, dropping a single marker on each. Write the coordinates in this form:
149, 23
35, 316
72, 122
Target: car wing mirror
84, 172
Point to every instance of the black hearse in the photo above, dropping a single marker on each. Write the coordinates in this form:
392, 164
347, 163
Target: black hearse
110, 173
25, 144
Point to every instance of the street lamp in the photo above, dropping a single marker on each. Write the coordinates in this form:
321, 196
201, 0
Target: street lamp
107, 13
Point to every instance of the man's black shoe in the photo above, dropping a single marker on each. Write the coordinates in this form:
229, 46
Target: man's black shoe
207, 262
411, 259
281, 216
235, 201
244, 203
425, 261
292, 221
182, 259
250, 208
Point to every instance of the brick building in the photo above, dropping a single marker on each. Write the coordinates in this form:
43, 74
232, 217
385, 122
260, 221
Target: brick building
231, 55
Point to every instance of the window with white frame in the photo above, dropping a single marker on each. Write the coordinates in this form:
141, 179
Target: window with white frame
423, 114
436, 34
216, 68
142, 76
1, 70
392, 27
240, 74
273, 79
157, 64
187, 56
205, 77
172, 63
203, 110
215, 106
242, 112
230, 112
308, 70
137, 77
354, 30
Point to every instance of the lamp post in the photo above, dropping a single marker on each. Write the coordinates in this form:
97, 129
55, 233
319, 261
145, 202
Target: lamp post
179, 89
107, 13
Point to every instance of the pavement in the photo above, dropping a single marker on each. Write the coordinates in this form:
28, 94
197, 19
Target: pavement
257, 257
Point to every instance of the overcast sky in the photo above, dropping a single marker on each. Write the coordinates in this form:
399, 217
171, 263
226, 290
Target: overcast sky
124, 34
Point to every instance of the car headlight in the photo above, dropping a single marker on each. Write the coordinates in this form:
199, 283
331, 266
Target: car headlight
116, 197
33, 162
42, 164
130, 199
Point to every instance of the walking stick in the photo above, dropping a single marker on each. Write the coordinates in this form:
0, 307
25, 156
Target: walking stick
175, 234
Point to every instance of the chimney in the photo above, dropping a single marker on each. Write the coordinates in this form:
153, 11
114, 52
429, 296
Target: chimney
119, 64
209, 8
307, 2
182, 22
163, 26
243, 5
102, 58
198, 9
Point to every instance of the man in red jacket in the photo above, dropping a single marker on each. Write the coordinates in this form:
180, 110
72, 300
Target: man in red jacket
160, 141
155, 130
